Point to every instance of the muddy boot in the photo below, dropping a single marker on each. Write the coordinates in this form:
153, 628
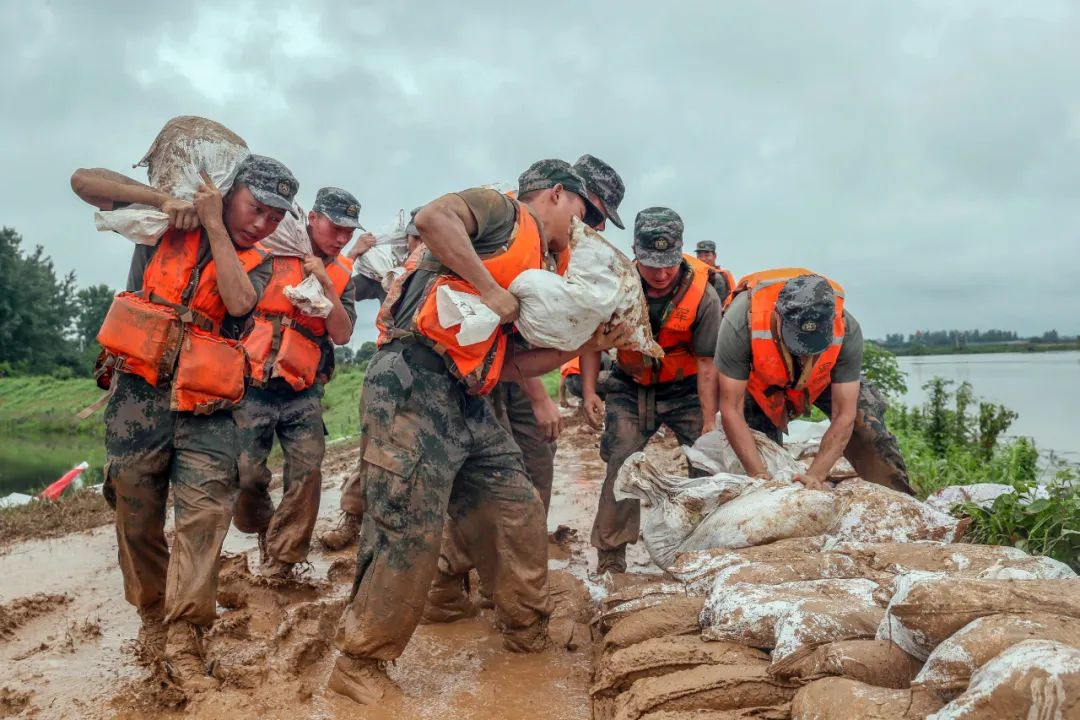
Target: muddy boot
530, 640
343, 534
184, 660
448, 599
264, 551
611, 561
151, 641
362, 680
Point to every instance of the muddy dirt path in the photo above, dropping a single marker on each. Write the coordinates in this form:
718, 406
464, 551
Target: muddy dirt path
66, 650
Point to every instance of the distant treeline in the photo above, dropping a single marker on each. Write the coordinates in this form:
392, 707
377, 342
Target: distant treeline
975, 341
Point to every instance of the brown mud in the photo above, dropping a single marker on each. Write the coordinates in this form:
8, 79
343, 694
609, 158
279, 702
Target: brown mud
67, 648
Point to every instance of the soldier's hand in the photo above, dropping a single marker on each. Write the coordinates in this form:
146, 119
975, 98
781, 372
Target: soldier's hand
812, 482
363, 243
593, 407
314, 266
207, 201
548, 418
503, 303
708, 424
608, 336
182, 214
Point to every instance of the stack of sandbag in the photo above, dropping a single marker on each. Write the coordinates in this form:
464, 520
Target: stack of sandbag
981, 494
734, 511
713, 453
600, 286
184, 148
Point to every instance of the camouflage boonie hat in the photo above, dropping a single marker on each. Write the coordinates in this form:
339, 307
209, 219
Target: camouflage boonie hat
806, 306
410, 229
340, 206
705, 246
605, 183
658, 237
269, 181
544, 174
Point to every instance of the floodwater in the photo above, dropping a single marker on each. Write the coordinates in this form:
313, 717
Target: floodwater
28, 464
1044, 388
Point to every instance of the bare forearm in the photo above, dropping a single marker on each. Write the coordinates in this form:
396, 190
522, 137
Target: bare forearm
338, 324
524, 364
832, 446
104, 189
235, 287
590, 372
534, 389
707, 390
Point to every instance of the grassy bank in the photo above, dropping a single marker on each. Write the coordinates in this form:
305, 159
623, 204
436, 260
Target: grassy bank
42, 405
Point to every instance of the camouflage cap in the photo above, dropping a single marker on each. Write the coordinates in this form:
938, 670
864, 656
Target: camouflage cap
605, 183
340, 206
658, 237
269, 181
410, 228
705, 246
806, 306
544, 174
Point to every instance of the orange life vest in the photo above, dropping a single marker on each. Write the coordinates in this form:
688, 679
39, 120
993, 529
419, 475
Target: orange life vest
729, 279
170, 330
479, 365
772, 383
283, 342
571, 368
675, 335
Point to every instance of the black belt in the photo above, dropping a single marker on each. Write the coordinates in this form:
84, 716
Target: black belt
417, 353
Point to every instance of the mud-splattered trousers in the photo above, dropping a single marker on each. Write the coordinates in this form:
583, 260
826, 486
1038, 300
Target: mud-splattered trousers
428, 449
514, 410
633, 415
872, 450
150, 449
296, 419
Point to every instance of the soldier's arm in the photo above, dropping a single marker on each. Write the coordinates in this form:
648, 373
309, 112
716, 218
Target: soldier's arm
590, 399
446, 225
532, 363
105, 190
707, 393
732, 419
844, 399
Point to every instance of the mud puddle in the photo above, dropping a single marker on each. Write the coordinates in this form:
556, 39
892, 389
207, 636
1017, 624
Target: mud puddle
69, 651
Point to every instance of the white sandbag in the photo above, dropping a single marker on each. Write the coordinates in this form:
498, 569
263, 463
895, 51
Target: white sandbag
672, 505
383, 260
873, 513
982, 494
290, 238
308, 297
476, 319
714, 454
1037, 679
600, 285
185, 146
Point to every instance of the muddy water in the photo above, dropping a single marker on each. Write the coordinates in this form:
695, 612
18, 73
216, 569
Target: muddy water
272, 644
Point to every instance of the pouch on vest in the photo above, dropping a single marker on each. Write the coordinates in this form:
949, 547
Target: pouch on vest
297, 359
209, 375
144, 337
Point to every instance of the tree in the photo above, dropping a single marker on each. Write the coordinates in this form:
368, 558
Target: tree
91, 305
36, 309
880, 367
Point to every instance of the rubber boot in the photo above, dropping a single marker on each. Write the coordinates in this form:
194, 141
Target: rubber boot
184, 661
152, 633
532, 639
343, 534
611, 561
362, 680
447, 599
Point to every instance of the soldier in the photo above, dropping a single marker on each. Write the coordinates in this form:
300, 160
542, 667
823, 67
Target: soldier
291, 358
787, 343
721, 279
642, 393
176, 378
431, 444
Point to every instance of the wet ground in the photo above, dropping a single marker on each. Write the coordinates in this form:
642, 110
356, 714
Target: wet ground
66, 630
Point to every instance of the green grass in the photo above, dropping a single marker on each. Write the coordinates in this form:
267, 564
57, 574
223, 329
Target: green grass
41, 404
341, 403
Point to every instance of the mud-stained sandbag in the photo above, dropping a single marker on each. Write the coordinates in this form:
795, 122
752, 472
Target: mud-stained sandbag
982, 494
950, 666
624, 602
676, 616
713, 453
875, 662
660, 656
1036, 679
872, 513
825, 566
708, 687
948, 558
699, 567
779, 712
837, 698
185, 146
925, 611
787, 617
672, 506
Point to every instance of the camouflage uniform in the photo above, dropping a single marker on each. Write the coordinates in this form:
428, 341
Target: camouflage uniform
514, 409
296, 418
430, 450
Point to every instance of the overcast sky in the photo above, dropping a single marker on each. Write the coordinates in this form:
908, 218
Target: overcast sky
925, 155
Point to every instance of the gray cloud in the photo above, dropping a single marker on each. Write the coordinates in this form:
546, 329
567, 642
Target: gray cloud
924, 155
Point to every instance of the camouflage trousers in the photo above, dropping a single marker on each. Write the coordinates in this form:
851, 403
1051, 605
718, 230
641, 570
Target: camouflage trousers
514, 410
872, 450
633, 415
296, 419
429, 450
150, 449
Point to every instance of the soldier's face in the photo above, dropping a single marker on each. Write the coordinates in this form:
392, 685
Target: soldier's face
558, 207
595, 199
659, 279
327, 238
707, 257
247, 220
412, 242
